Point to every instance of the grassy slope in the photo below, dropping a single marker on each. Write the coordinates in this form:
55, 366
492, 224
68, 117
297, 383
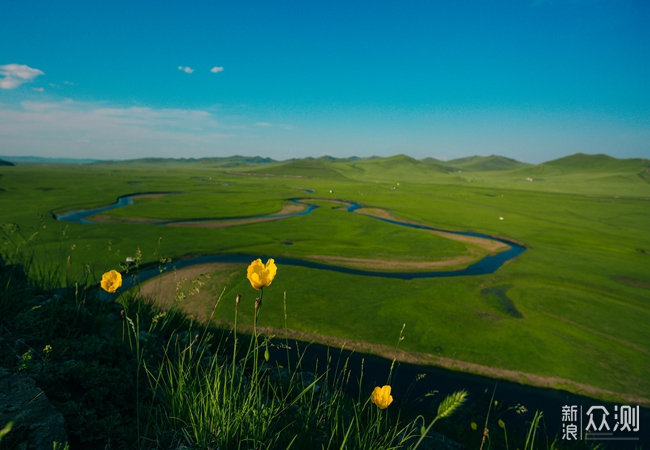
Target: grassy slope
483, 163
399, 168
300, 169
581, 287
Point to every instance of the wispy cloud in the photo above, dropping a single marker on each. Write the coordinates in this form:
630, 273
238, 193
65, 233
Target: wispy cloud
277, 126
216, 69
102, 130
59, 86
186, 69
16, 74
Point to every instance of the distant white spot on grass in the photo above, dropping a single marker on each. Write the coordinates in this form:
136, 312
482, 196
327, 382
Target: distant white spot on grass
500, 217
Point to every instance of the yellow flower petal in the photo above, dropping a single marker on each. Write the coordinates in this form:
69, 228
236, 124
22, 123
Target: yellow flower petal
111, 281
271, 269
255, 281
381, 397
261, 275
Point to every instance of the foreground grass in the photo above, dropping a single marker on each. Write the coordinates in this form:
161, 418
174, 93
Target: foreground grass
128, 375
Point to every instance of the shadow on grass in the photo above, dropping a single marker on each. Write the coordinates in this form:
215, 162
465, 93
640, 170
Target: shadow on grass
497, 297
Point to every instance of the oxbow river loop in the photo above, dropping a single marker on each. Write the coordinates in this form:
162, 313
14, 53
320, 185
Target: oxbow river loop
489, 264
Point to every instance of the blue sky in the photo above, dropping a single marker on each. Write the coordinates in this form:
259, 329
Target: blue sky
528, 79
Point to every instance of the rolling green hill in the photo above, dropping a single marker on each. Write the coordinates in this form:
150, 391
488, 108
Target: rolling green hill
577, 174
597, 163
483, 163
398, 168
300, 168
329, 158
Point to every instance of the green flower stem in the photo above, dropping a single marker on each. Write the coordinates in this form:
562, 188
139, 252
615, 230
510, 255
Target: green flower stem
258, 306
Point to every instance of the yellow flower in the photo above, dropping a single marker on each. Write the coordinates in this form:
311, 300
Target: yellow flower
381, 397
261, 275
111, 280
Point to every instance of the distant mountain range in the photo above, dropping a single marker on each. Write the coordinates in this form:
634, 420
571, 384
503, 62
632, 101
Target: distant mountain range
397, 164
221, 162
45, 160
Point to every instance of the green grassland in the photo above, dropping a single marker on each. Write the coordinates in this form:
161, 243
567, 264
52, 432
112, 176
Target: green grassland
574, 306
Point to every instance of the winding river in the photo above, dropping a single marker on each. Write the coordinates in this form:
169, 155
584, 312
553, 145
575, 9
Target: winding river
489, 264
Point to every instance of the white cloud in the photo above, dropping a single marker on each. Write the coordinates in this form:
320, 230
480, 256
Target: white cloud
216, 69
16, 74
39, 89
59, 86
105, 131
186, 69
10, 83
277, 126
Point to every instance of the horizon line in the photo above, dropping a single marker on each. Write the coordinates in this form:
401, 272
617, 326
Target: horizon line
62, 159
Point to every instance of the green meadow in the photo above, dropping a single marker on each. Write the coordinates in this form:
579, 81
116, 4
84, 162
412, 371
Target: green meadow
571, 312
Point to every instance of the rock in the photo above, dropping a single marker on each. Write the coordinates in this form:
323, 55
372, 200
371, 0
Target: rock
36, 423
